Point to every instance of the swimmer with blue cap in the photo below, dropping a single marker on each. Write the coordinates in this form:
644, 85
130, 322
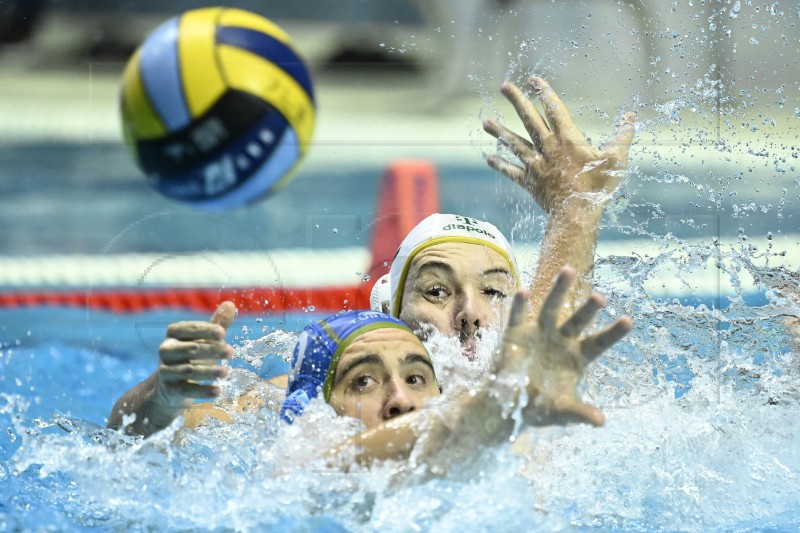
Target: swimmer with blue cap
365, 364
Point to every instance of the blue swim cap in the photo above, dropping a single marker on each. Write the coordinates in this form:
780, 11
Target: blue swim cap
317, 353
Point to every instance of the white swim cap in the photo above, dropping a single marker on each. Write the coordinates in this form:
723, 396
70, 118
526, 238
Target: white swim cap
381, 295
436, 229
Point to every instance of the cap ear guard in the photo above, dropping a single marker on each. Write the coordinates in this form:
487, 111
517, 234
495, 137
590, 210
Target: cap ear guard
381, 295
295, 403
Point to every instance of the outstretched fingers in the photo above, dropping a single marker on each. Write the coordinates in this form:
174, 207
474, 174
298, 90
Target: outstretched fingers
511, 171
583, 316
598, 343
554, 109
534, 123
519, 146
517, 315
619, 145
548, 315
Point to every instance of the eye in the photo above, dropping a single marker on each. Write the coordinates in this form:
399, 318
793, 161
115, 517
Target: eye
437, 292
416, 379
361, 382
493, 293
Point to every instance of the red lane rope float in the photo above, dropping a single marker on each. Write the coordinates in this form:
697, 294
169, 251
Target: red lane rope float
247, 300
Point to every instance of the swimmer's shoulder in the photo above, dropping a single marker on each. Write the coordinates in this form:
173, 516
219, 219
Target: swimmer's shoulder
281, 382
262, 393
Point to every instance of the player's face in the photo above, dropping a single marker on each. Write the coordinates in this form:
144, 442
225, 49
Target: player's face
458, 289
383, 374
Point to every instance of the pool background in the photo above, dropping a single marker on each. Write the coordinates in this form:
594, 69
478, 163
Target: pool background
689, 395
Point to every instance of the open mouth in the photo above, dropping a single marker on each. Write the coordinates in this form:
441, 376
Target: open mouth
469, 345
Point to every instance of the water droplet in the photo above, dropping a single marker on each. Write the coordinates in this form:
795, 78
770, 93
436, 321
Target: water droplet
365, 278
734, 12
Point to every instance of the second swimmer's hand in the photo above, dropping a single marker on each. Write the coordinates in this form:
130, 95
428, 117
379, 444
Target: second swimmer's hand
558, 163
188, 359
553, 357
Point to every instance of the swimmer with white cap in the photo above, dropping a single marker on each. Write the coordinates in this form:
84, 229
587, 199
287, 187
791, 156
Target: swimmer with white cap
453, 273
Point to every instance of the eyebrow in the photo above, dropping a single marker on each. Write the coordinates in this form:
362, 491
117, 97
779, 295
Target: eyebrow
417, 358
446, 266
433, 264
497, 270
370, 359
374, 359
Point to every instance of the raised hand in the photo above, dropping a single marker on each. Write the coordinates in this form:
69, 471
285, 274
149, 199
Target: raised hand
187, 358
557, 162
553, 356
187, 363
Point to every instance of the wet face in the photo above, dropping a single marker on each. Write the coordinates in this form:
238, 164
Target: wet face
458, 289
383, 374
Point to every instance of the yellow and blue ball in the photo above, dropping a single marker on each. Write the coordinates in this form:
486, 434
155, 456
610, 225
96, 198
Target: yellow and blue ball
217, 108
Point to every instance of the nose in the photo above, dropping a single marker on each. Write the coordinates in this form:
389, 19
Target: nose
471, 314
398, 400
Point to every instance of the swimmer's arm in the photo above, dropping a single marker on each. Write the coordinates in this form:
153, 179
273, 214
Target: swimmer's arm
473, 417
150, 414
150, 420
569, 179
570, 239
